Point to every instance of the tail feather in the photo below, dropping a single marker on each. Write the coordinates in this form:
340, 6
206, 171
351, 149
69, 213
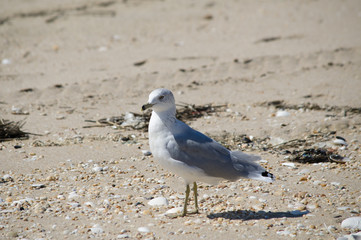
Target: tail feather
248, 168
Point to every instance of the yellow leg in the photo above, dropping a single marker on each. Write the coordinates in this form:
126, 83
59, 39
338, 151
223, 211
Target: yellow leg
195, 196
186, 201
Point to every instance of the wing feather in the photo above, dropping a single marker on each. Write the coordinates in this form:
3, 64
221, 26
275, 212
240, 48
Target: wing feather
198, 150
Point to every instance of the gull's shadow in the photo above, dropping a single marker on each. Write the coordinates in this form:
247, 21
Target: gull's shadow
252, 215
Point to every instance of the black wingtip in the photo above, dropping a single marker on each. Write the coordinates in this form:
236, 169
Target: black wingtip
267, 174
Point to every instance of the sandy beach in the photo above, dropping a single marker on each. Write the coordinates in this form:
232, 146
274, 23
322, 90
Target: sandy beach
279, 79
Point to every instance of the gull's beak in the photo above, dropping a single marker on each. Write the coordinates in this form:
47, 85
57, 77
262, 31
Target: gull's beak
146, 106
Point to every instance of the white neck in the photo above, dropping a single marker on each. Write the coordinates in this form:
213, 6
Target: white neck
167, 117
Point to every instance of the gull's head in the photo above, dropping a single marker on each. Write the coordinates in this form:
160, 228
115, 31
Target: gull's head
160, 100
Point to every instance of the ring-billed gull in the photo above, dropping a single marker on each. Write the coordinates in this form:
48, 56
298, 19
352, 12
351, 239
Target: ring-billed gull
191, 154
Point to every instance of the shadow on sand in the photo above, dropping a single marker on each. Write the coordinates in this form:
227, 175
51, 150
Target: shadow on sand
252, 215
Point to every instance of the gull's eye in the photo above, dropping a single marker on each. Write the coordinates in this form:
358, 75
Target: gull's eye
161, 97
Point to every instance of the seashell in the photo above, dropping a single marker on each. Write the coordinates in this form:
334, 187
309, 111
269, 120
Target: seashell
340, 141
336, 158
143, 230
159, 201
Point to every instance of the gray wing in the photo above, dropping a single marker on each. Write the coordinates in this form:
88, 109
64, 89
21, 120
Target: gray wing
196, 149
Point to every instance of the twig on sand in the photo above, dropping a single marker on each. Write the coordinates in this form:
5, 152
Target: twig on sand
10, 130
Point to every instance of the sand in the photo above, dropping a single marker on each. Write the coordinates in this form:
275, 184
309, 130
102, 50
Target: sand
64, 62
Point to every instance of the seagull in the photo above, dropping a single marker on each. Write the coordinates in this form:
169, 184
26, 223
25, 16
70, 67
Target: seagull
192, 155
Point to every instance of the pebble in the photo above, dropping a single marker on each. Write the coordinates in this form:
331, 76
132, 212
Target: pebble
116, 37
102, 49
283, 233
312, 206
303, 178
89, 204
354, 236
121, 236
72, 195
174, 211
38, 186
303, 171
343, 208
289, 164
61, 197
159, 201
282, 113
51, 178
74, 204
257, 207
96, 168
205, 196
5, 61
301, 226
301, 195
276, 141
12, 234
146, 152
60, 117
331, 228
300, 206
352, 222
143, 230
30, 159
7, 178
317, 182
96, 229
